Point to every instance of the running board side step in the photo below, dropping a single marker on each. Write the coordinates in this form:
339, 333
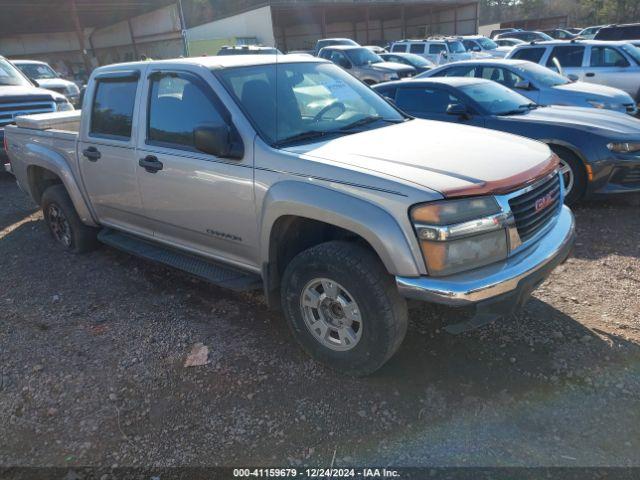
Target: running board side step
209, 271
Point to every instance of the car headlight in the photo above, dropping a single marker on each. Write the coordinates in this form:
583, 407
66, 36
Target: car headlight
459, 235
63, 105
606, 105
624, 147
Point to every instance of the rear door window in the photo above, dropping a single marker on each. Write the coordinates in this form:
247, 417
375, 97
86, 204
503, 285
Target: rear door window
399, 47
112, 109
416, 48
568, 56
501, 75
607, 57
436, 48
531, 54
458, 71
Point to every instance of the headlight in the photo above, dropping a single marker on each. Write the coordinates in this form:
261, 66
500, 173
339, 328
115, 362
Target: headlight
605, 105
62, 105
624, 147
458, 235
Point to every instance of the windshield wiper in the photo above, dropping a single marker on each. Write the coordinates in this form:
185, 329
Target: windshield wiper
366, 121
302, 136
521, 109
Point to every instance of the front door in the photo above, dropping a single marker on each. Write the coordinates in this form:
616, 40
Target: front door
196, 201
432, 102
107, 154
608, 66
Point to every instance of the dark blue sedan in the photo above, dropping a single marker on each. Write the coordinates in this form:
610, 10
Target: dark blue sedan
421, 64
599, 150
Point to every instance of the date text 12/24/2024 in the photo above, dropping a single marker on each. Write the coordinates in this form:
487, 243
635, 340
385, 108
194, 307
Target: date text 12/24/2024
248, 473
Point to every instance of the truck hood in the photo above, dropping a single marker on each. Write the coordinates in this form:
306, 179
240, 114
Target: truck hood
25, 93
593, 120
391, 67
596, 92
54, 83
455, 160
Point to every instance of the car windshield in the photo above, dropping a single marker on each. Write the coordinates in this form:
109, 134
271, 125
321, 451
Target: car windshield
363, 56
456, 47
295, 102
487, 43
497, 99
544, 36
632, 51
38, 71
9, 75
540, 75
417, 60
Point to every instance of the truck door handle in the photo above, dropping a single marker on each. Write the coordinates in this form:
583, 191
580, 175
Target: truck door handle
92, 154
590, 74
151, 164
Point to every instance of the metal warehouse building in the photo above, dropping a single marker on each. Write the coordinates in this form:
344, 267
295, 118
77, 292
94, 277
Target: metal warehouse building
77, 35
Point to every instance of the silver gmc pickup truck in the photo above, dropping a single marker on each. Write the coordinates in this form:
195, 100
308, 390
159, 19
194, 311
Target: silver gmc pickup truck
286, 173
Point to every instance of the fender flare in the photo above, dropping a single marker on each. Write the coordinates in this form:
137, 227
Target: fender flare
375, 225
43, 157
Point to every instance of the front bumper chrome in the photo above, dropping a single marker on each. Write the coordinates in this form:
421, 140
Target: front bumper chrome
532, 265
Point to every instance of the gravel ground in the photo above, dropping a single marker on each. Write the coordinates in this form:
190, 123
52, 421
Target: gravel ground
92, 349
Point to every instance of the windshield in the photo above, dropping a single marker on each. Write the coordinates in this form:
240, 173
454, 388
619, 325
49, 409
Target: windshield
37, 71
296, 99
544, 36
540, 75
417, 60
456, 47
632, 51
362, 56
487, 44
496, 99
9, 75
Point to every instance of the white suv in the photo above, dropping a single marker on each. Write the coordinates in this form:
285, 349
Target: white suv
438, 50
615, 64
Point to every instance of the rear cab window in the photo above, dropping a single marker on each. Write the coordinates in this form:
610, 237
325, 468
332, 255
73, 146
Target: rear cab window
112, 108
530, 54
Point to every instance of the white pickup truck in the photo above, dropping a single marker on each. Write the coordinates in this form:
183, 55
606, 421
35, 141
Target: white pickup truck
286, 173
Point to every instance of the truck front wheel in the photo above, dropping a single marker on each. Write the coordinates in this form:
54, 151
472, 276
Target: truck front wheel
64, 224
343, 307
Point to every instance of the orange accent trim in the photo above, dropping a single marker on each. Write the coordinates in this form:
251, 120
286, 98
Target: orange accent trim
589, 172
506, 185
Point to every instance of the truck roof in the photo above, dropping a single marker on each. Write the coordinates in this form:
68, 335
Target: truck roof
218, 62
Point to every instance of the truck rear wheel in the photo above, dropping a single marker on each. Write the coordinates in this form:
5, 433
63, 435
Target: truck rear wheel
343, 307
64, 224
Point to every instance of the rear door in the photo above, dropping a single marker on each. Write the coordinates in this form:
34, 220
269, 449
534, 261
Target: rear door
195, 200
107, 153
570, 58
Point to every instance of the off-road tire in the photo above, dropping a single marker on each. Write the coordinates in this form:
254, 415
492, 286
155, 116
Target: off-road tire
383, 310
82, 238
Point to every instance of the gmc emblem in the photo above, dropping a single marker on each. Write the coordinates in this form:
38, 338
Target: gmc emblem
544, 202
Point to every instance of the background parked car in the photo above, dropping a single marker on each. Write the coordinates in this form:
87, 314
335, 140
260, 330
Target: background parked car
615, 64
630, 31
438, 50
365, 65
480, 44
326, 42
574, 30
590, 32
527, 36
249, 50
494, 33
587, 141
47, 77
560, 34
540, 84
420, 64
508, 42
376, 49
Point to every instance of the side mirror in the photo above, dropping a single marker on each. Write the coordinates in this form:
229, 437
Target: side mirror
457, 109
573, 77
522, 85
216, 140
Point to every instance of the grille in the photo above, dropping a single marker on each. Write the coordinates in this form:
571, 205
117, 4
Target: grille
534, 209
9, 111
